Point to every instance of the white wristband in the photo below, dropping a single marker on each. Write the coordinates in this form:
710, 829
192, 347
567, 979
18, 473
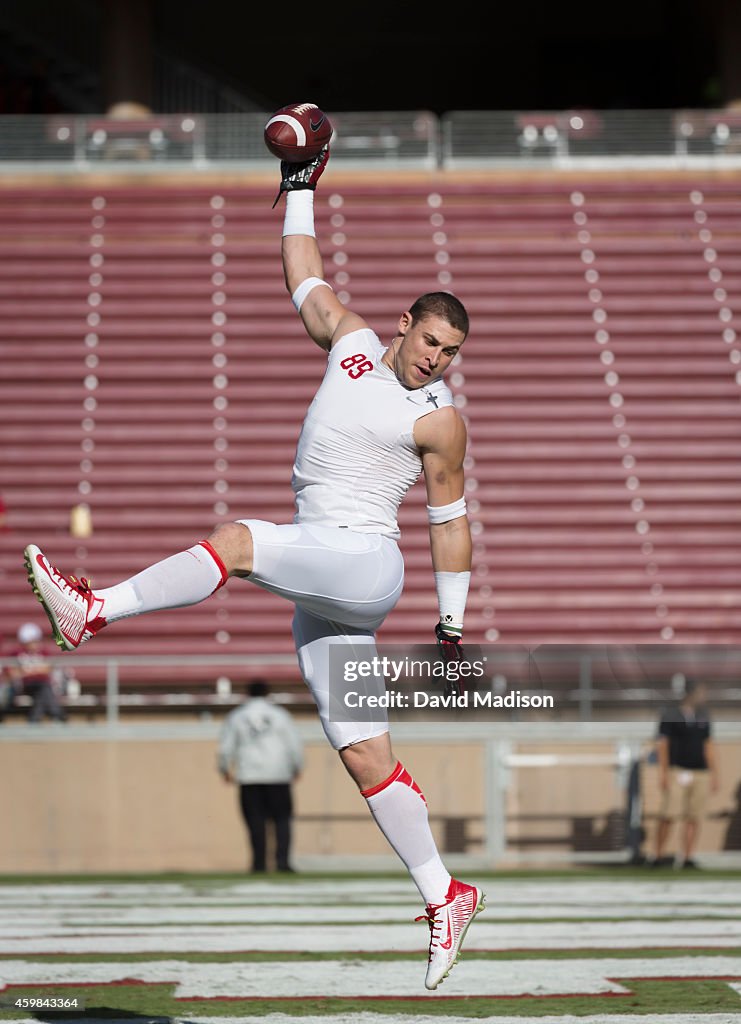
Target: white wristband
304, 288
452, 591
299, 218
444, 513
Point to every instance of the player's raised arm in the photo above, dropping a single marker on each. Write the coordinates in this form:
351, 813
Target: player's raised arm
326, 319
441, 437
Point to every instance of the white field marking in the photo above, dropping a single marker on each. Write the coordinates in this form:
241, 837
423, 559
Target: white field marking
168, 894
415, 1018
43, 921
356, 978
507, 892
408, 937
506, 898
83, 916
62, 915
374, 1018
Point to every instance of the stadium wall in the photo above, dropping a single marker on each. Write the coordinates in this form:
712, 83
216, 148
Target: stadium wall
84, 801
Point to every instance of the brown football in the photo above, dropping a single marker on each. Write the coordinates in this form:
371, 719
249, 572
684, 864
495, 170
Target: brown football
298, 132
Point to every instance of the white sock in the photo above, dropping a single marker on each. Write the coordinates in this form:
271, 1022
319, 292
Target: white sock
400, 811
185, 578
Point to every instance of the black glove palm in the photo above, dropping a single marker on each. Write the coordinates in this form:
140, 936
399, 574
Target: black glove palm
295, 177
449, 643
451, 650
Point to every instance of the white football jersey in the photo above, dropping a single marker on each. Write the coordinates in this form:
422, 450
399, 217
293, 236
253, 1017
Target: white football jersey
356, 456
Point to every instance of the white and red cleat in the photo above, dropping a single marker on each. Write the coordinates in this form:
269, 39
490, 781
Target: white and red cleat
449, 923
73, 609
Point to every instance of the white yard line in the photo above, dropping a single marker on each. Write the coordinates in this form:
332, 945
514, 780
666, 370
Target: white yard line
415, 1018
408, 936
357, 978
54, 916
511, 892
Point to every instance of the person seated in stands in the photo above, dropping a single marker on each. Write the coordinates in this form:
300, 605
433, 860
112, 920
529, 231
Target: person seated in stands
34, 675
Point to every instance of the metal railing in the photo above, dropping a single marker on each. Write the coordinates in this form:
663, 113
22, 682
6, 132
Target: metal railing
201, 140
557, 137
217, 680
589, 683
395, 139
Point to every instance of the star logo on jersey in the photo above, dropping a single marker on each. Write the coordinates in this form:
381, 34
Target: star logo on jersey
416, 398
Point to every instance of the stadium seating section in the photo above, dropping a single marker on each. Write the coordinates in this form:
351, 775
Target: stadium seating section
154, 369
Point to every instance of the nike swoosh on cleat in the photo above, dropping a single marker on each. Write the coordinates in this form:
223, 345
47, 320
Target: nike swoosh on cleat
316, 125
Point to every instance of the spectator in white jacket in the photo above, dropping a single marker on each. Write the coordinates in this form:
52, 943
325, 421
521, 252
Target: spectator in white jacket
261, 751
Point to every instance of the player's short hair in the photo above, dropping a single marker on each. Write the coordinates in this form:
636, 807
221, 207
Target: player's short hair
442, 304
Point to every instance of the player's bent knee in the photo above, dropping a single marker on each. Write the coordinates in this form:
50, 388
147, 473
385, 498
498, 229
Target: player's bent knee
369, 761
233, 544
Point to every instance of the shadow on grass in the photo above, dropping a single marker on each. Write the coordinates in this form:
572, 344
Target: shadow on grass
103, 1013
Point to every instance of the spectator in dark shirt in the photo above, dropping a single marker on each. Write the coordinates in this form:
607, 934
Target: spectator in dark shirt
687, 770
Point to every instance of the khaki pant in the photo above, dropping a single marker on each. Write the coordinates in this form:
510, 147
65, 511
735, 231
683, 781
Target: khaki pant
686, 795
